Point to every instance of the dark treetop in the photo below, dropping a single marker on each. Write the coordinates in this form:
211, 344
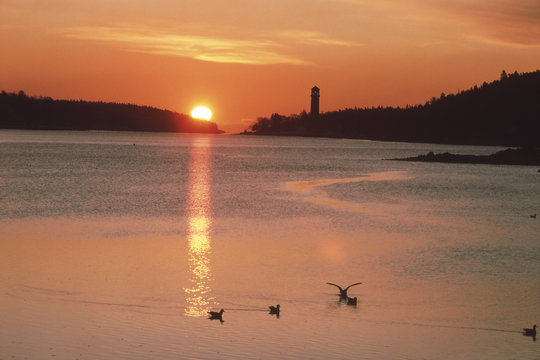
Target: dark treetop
19, 111
504, 112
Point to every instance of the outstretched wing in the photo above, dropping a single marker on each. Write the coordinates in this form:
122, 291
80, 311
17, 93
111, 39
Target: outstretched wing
339, 287
347, 288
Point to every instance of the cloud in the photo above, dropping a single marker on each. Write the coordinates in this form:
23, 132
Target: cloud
272, 48
508, 23
205, 48
313, 38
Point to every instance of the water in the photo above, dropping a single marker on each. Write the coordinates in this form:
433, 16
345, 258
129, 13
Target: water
115, 245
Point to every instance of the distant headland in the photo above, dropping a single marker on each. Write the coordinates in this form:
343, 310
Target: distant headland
19, 111
522, 156
505, 112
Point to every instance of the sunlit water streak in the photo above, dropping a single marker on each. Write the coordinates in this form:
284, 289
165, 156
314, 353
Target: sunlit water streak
311, 191
308, 190
198, 295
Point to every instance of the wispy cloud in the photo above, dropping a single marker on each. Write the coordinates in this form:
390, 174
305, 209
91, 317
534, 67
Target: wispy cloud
313, 38
508, 23
272, 48
205, 48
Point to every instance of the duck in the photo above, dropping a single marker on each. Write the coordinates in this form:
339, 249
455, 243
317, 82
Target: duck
216, 315
274, 309
533, 216
343, 292
352, 301
530, 332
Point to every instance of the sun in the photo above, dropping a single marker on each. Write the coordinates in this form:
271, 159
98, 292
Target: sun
201, 112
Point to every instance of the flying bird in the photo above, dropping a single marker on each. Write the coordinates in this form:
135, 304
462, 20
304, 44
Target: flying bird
343, 292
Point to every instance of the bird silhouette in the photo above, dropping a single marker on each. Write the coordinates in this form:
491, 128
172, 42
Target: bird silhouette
530, 332
343, 292
274, 310
352, 301
533, 216
214, 315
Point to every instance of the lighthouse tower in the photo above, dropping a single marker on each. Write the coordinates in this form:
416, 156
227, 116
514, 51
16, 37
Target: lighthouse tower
315, 101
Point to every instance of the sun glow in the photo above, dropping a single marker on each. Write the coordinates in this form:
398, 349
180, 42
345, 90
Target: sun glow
201, 112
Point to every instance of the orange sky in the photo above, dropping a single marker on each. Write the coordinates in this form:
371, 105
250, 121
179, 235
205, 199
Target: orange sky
250, 58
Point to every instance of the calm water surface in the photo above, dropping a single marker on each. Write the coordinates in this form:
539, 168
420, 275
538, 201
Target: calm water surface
115, 245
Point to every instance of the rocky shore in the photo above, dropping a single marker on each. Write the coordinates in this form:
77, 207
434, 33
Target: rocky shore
521, 156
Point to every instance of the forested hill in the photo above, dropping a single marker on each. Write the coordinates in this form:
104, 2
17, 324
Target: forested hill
19, 111
504, 112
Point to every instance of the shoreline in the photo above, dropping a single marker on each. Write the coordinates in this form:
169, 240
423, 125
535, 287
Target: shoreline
520, 156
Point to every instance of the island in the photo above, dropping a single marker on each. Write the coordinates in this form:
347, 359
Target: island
521, 156
505, 112
20, 111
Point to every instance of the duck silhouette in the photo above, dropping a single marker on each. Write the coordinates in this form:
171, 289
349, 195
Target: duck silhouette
343, 292
530, 332
352, 301
533, 216
214, 315
274, 310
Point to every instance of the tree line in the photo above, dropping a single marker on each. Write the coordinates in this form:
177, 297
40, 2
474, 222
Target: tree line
20, 111
504, 112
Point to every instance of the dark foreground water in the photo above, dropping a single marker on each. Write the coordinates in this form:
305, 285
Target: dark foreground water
115, 245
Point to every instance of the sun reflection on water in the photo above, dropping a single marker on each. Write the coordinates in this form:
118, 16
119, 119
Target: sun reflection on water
198, 294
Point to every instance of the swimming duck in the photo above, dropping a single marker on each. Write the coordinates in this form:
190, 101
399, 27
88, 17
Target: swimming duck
216, 315
533, 216
530, 332
274, 309
352, 301
343, 292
